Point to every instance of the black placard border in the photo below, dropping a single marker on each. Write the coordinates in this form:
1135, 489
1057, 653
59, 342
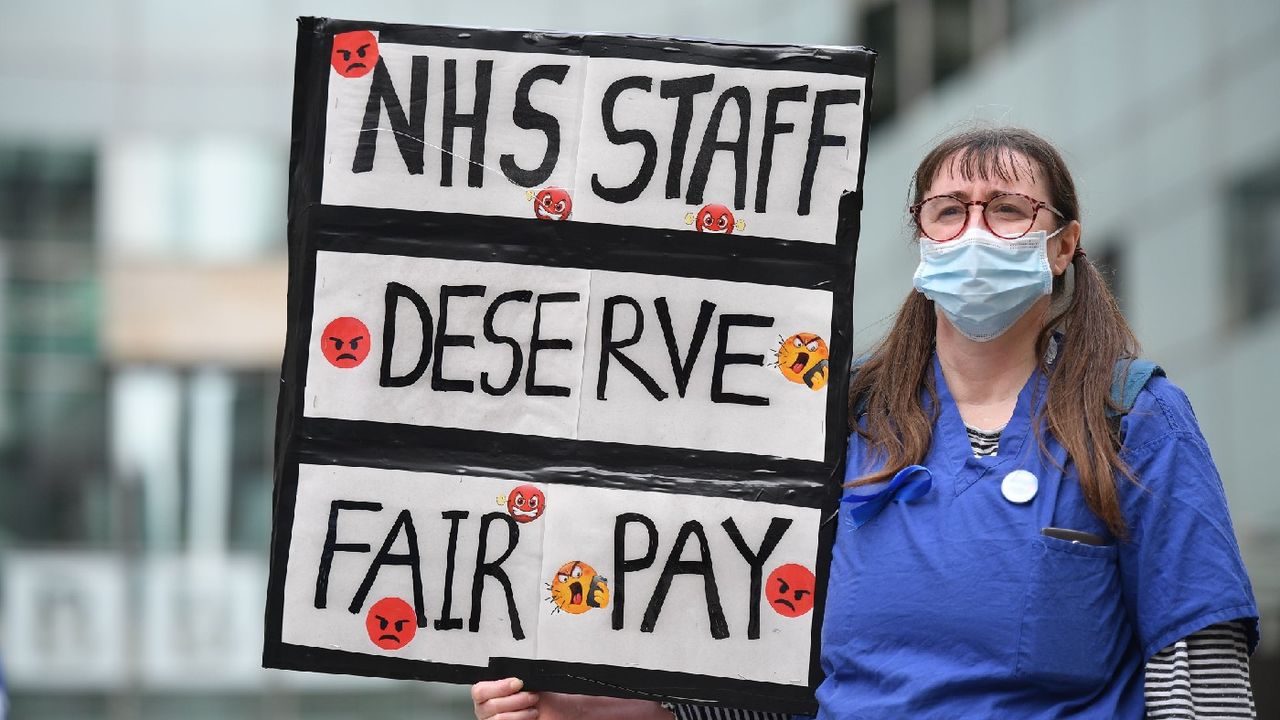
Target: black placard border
560, 461
854, 61
306, 152
550, 675
590, 246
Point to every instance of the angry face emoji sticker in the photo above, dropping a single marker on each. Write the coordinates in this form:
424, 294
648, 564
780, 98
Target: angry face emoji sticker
390, 623
345, 342
576, 588
714, 218
526, 503
354, 53
803, 358
790, 590
552, 203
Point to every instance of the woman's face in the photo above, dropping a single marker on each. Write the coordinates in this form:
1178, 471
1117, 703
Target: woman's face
1022, 175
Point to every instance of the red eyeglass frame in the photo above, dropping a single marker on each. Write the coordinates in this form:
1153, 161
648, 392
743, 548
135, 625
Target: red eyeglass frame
1036, 206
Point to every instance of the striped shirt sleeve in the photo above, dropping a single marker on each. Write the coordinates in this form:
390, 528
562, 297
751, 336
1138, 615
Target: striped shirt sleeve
703, 712
1204, 675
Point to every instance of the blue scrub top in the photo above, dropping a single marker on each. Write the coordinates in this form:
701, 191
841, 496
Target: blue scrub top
956, 605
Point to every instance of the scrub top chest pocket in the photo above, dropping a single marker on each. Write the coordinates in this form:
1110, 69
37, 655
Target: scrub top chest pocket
1074, 626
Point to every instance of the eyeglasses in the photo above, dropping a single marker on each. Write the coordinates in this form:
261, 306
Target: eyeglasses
1007, 215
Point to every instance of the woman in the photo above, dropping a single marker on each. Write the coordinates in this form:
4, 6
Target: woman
1072, 556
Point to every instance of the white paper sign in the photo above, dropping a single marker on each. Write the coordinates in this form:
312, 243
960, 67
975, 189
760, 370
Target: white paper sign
424, 374
731, 395
757, 162
677, 146
580, 354
423, 182
545, 584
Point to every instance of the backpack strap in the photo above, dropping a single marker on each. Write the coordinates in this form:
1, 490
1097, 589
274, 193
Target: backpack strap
1128, 379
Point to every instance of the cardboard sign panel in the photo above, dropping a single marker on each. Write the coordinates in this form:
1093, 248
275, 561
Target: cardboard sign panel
569, 353
592, 575
422, 166
564, 382
632, 142
756, 142
447, 343
706, 360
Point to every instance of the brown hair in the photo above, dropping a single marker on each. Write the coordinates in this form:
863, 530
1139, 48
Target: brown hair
887, 387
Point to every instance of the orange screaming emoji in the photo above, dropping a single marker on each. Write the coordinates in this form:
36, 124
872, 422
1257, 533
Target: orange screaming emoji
803, 358
576, 588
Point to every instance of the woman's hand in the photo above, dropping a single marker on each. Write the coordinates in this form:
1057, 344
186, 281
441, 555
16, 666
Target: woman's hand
503, 700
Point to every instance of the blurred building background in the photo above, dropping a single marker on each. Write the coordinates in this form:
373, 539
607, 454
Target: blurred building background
143, 153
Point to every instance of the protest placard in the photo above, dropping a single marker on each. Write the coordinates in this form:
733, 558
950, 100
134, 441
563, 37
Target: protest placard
564, 385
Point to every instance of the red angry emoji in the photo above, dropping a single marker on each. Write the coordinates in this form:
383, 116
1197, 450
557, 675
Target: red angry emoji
345, 342
714, 217
354, 53
552, 203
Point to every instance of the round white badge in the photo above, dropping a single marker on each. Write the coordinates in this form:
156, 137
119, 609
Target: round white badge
1019, 486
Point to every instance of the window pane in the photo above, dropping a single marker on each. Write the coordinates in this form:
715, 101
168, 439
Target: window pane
52, 399
952, 37
214, 199
1253, 219
878, 30
253, 433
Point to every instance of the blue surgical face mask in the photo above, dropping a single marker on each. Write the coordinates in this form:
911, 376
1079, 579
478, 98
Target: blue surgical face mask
983, 283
